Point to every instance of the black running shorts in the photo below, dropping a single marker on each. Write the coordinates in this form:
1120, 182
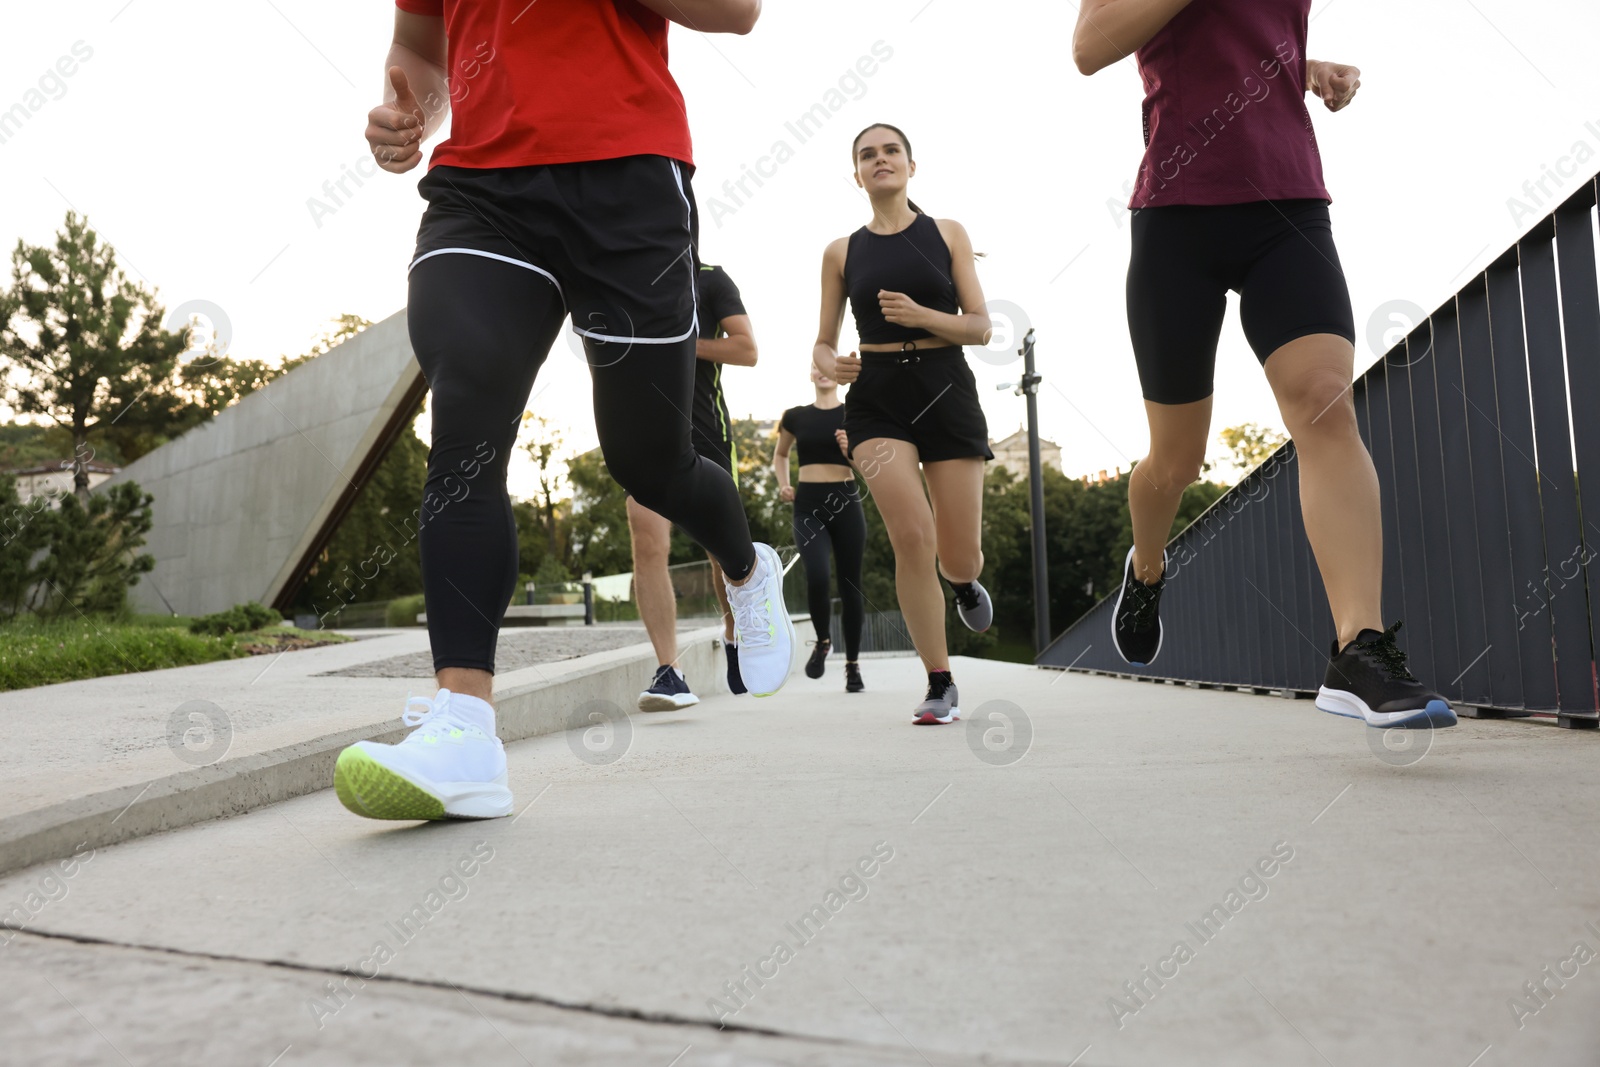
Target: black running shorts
928, 398
615, 236
1278, 255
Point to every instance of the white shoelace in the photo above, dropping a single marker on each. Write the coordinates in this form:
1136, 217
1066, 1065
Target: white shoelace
750, 618
431, 714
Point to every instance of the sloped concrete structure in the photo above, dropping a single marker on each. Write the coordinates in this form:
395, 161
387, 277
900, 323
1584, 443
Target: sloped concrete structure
245, 503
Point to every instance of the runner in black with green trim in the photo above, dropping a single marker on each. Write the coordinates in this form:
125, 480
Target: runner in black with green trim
726, 337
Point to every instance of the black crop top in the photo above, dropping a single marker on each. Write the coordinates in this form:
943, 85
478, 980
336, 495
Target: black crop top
813, 429
915, 261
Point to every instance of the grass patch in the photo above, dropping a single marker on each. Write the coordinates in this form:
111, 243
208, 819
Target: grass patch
157, 620
43, 653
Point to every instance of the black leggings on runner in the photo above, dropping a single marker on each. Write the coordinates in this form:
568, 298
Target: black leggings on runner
481, 329
828, 515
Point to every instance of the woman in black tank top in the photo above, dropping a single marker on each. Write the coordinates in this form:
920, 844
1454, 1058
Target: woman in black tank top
912, 413
827, 520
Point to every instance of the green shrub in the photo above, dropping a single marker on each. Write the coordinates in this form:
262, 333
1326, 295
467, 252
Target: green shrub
403, 611
61, 557
241, 618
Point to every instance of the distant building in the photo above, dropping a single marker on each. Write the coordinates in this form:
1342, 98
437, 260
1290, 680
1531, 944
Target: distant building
1012, 454
54, 478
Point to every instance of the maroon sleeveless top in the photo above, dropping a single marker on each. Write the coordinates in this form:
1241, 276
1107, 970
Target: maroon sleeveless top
1225, 119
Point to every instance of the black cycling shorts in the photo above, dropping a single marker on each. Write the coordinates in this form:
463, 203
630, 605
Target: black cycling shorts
928, 398
1278, 255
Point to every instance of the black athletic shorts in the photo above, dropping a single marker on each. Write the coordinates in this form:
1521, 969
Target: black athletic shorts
928, 398
616, 237
1278, 255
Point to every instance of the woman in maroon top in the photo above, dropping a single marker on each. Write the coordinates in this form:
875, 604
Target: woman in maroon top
1230, 197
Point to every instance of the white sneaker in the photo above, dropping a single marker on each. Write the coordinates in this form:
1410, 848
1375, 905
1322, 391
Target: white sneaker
451, 767
766, 636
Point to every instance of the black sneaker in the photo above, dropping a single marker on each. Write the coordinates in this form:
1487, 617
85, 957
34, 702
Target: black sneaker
668, 692
974, 606
941, 705
852, 677
1136, 620
1368, 679
735, 681
818, 654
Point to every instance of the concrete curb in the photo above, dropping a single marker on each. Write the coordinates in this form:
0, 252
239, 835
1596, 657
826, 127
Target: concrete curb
529, 702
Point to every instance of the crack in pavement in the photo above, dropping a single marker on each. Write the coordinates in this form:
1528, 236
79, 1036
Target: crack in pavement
513, 997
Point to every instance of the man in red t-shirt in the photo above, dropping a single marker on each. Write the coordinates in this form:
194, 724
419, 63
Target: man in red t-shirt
562, 190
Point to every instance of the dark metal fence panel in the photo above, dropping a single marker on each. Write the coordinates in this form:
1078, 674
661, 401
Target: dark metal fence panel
1466, 553
1411, 522
1481, 457
1513, 422
1580, 319
1499, 677
881, 631
1558, 496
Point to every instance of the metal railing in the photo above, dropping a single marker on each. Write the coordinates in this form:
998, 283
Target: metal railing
1483, 426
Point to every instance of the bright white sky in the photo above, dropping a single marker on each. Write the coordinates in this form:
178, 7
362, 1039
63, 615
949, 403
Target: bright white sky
196, 133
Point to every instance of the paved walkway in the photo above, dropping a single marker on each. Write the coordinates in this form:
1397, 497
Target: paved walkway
1112, 873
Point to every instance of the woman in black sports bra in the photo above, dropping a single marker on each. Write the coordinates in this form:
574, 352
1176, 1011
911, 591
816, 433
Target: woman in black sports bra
912, 413
827, 515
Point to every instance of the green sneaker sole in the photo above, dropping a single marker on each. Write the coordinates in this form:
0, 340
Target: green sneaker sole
372, 790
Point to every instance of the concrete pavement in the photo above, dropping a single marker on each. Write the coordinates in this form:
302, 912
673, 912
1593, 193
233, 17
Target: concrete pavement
1094, 872
103, 760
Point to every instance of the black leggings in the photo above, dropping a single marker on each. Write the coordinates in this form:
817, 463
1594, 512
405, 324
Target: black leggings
828, 514
481, 329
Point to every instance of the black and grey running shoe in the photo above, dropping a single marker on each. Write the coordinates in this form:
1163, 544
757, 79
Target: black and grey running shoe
735, 679
1368, 679
814, 665
941, 705
974, 605
667, 692
1136, 620
852, 677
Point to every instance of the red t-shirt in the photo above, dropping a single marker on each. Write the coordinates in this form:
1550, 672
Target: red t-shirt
1225, 119
556, 81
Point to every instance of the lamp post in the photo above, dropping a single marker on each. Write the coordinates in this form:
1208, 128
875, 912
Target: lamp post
1029, 387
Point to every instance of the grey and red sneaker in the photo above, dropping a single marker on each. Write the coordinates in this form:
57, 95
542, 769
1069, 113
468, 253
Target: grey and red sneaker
941, 704
974, 605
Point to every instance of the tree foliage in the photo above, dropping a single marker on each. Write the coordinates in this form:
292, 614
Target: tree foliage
598, 523
83, 344
1249, 444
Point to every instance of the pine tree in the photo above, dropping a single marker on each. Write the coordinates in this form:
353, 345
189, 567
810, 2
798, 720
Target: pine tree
81, 342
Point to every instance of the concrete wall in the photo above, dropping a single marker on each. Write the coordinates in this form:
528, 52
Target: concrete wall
239, 501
